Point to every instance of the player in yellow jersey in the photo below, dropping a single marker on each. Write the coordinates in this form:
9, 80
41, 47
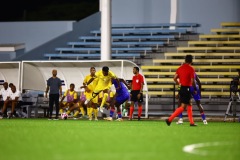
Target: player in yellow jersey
91, 106
72, 99
103, 84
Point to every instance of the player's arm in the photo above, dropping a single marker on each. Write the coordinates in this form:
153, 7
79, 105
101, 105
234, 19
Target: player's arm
198, 82
46, 92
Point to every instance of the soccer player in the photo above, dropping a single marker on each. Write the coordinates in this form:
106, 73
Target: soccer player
89, 88
136, 92
72, 99
104, 83
197, 98
185, 75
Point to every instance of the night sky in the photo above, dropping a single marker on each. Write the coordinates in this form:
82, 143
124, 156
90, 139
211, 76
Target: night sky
47, 10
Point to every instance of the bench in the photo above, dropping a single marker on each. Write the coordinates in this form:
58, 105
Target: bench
203, 80
213, 36
128, 44
226, 30
139, 38
216, 74
216, 43
210, 61
150, 32
97, 55
230, 24
115, 50
207, 49
197, 68
194, 54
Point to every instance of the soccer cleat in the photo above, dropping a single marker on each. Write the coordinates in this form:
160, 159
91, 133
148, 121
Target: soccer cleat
86, 102
205, 121
108, 118
55, 119
119, 119
96, 119
139, 118
193, 125
49, 119
101, 109
168, 122
130, 119
90, 119
180, 121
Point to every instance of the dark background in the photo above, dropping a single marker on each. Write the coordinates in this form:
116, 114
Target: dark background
47, 10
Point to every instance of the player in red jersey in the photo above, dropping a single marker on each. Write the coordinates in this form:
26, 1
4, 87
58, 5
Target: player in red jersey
185, 77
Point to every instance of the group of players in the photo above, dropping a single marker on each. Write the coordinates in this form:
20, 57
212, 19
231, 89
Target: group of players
97, 92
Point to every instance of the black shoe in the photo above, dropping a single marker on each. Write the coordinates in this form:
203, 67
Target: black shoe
139, 118
168, 122
10, 116
193, 125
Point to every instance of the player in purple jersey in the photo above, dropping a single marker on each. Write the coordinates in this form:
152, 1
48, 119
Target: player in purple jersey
197, 98
120, 97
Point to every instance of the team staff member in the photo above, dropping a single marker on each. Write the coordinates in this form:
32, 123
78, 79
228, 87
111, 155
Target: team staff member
185, 75
136, 92
55, 85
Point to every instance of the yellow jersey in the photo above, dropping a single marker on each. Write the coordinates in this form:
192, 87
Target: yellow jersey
92, 85
104, 82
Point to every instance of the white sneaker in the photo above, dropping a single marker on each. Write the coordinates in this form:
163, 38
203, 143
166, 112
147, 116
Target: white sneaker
101, 109
96, 119
205, 121
90, 119
180, 121
108, 118
119, 119
86, 102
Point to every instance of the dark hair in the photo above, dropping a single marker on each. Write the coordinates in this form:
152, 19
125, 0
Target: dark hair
92, 68
72, 85
188, 59
136, 68
105, 69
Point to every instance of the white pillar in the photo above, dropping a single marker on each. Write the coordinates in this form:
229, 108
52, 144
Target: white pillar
173, 14
106, 29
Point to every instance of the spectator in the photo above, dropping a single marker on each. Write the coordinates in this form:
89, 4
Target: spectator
4, 92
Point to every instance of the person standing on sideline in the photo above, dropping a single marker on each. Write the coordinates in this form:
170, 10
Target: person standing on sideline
136, 92
197, 98
185, 75
55, 85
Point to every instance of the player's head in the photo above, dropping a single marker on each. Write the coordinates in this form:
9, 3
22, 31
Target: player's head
188, 59
135, 70
105, 70
72, 86
92, 71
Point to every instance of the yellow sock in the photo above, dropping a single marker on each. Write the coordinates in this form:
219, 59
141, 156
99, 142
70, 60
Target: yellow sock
90, 112
104, 99
76, 114
95, 112
82, 111
61, 111
68, 112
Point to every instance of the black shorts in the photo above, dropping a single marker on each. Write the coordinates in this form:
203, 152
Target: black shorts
185, 95
134, 95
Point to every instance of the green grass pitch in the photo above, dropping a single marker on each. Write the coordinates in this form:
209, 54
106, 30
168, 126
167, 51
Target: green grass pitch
40, 139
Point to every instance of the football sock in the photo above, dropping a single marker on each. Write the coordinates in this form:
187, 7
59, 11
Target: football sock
68, 112
82, 111
95, 112
139, 111
176, 113
131, 111
90, 112
180, 115
105, 95
203, 116
111, 112
119, 115
189, 111
75, 114
61, 111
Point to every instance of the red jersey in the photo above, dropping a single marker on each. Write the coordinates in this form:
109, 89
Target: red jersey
137, 82
185, 73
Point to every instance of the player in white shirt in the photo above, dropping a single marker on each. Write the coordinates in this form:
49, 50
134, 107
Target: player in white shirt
4, 93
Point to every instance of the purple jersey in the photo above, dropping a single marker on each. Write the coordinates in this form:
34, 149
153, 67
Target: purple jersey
195, 96
122, 93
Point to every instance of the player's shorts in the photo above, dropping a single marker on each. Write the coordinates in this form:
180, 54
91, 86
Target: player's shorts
88, 95
134, 97
195, 96
122, 98
185, 94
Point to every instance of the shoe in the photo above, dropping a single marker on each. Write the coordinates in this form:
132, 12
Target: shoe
90, 119
75, 118
101, 109
130, 119
49, 119
119, 119
1, 117
108, 118
205, 121
193, 125
96, 119
86, 102
55, 119
168, 122
10, 116
139, 118
180, 121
